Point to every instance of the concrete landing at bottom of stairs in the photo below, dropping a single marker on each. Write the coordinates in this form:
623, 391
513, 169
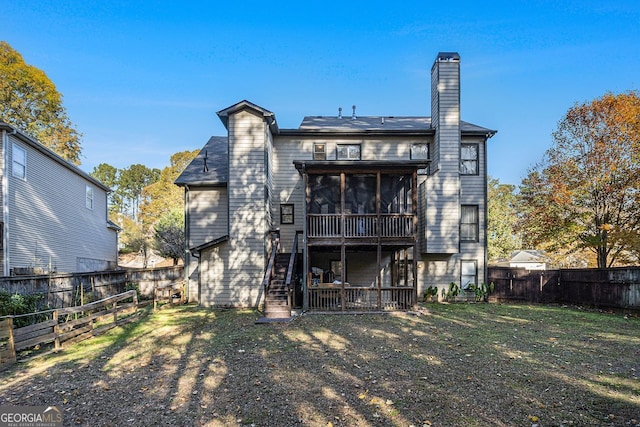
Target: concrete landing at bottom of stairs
274, 320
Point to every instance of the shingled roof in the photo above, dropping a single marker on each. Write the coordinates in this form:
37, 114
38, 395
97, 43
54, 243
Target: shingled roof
380, 123
210, 166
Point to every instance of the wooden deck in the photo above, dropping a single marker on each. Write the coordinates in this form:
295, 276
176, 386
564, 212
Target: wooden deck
334, 297
360, 226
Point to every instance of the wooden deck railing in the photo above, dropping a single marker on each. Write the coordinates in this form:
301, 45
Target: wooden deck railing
66, 325
335, 298
360, 225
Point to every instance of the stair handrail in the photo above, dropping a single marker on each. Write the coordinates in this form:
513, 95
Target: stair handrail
292, 260
275, 248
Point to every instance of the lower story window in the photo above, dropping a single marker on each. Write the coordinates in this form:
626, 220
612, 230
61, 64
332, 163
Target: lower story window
468, 274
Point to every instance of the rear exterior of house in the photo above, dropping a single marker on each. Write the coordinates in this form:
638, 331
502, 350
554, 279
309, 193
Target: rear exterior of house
369, 211
54, 216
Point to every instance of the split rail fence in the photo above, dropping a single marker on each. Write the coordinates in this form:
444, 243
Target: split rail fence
65, 326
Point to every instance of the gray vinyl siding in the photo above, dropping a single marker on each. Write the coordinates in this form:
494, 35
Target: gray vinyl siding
473, 192
208, 214
4, 269
248, 221
208, 220
289, 185
48, 221
443, 187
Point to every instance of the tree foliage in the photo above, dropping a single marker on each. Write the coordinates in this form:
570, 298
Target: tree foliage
586, 192
132, 181
162, 196
169, 235
502, 237
30, 102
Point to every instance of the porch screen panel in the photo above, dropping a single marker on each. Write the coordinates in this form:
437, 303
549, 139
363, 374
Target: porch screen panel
325, 194
395, 194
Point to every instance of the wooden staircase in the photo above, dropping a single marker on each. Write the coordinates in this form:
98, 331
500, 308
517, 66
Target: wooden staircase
277, 303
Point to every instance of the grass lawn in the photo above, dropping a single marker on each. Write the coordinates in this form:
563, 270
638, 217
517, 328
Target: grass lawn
448, 365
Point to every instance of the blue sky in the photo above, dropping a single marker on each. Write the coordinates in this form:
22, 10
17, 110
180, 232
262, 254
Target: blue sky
143, 79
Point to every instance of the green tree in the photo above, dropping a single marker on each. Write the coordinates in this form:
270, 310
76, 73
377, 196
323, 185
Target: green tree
30, 102
502, 217
109, 176
169, 235
163, 195
132, 181
586, 192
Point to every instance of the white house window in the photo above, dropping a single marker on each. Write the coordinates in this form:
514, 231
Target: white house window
319, 152
420, 152
469, 159
89, 197
286, 214
469, 223
468, 274
348, 152
19, 164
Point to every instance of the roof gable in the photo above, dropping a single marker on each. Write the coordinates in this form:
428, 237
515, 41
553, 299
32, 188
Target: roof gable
31, 142
269, 116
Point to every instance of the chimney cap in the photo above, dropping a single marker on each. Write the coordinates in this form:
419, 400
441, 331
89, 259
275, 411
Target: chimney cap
448, 56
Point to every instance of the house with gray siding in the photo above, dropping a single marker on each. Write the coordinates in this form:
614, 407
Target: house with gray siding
54, 215
342, 213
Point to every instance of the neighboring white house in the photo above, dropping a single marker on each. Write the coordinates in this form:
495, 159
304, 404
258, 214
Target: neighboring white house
384, 206
54, 215
529, 259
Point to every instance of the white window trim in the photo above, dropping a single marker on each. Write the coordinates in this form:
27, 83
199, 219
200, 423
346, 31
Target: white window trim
89, 202
476, 224
14, 162
476, 160
463, 285
348, 146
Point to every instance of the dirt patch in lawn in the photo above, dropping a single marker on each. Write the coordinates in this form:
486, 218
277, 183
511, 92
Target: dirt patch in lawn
447, 365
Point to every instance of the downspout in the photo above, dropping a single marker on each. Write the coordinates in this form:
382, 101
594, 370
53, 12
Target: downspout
188, 254
486, 211
5, 203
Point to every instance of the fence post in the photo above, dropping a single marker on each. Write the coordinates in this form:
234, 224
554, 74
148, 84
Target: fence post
56, 330
12, 347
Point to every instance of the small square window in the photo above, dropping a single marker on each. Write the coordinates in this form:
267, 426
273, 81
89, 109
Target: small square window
469, 159
319, 152
348, 152
19, 162
286, 214
89, 197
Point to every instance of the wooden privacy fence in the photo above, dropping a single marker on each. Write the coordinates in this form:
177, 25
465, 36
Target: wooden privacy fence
66, 325
65, 289
612, 287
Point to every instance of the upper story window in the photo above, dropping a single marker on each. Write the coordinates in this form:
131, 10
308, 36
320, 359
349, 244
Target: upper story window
469, 159
420, 152
19, 162
348, 152
469, 224
319, 152
89, 197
